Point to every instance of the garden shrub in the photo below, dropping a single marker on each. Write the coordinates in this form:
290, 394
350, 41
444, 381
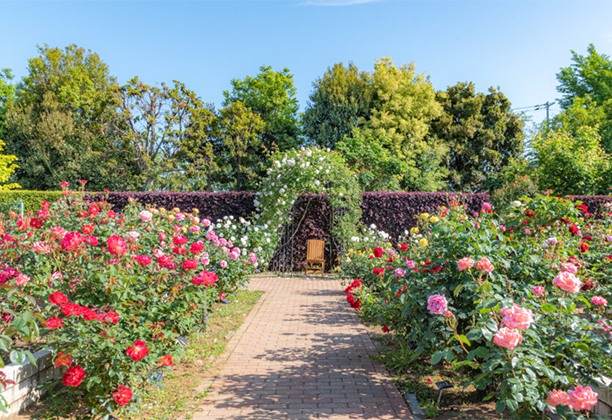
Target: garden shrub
517, 299
32, 200
112, 292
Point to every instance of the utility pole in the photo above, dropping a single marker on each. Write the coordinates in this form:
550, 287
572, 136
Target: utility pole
547, 105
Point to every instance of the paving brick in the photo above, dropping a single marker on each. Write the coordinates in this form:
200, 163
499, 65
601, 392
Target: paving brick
302, 353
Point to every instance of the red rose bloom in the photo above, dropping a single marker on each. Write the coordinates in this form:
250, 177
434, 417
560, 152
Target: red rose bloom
208, 278
377, 252
72, 309
196, 247
63, 360
54, 322
404, 247
143, 260
94, 210
58, 298
111, 215
166, 360
123, 395
166, 262
89, 315
190, 265
180, 240
584, 247
574, 229
110, 317
116, 245
139, 350
35, 223
87, 229
92, 240
71, 241
179, 250
73, 376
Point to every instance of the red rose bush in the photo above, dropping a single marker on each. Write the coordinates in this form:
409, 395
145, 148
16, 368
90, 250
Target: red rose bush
112, 293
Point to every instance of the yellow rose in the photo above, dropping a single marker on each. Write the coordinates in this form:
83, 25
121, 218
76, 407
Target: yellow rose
425, 216
196, 211
434, 219
414, 230
423, 242
184, 228
171, 217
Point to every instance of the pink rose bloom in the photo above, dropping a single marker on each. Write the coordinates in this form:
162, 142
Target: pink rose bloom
60, 232
556, 397
206, 222
236, 250
391, 252
502, 228
552, 241
180, 217
508, 338
448, 314
568, 282
253, 259
223, 241
133, 235
465, 263
158, 252
233, 255
57, 276
194, 229
410, 264
149, 228
163, 244
205, 261
400, 273
223, 263
146, 216
437, 304
41, 247
486, 206
538, 290
582, 398
177, 228
485, 265
517, 317
599, 301
22, 280
230, 244
569, 268
527, 231
162, 236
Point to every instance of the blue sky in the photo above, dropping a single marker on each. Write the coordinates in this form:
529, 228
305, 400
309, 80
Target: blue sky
516, 45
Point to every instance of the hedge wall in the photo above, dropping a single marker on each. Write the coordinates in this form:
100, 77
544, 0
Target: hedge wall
32, 200
211, 205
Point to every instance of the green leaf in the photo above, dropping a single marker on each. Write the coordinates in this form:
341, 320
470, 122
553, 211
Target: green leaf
547, 307
30, 356
17, 357
436, 357
500, 406
464, 340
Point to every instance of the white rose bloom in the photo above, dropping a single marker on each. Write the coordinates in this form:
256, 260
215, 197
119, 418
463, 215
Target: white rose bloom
317, 182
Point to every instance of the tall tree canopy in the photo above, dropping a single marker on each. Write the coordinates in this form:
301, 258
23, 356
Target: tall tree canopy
586, 86
163, 135
7, 96
55, 125
404, 103
481, 132
272, 96
339, 101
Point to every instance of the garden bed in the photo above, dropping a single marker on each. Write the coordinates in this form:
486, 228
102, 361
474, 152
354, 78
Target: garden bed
177, 394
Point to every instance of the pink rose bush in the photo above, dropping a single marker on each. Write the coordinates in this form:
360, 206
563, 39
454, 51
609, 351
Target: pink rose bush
111, 296
513, 294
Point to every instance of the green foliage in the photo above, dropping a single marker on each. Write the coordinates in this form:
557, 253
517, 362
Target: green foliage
272, 96
376, 168
404, 105
513, 190
32, 200
162, 134
7, 169
237, 146
7, 96
55, 125
340, 101
569, 164
481, 132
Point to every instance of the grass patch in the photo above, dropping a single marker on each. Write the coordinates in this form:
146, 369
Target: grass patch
177, 396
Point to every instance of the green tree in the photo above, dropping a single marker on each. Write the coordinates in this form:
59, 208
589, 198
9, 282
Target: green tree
589, 75
404, 104
340, 101
376, 168
481, 132
571, 164
55, 125
7, 96
272, 96
163, 134
238, 146
7, 169
586, 86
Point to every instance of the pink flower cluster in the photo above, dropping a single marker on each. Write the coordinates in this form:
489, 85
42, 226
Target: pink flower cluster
579, 398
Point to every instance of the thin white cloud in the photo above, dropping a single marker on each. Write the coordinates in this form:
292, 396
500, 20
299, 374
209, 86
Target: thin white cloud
337, 2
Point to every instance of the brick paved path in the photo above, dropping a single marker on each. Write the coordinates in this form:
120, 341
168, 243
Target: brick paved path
301, 354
